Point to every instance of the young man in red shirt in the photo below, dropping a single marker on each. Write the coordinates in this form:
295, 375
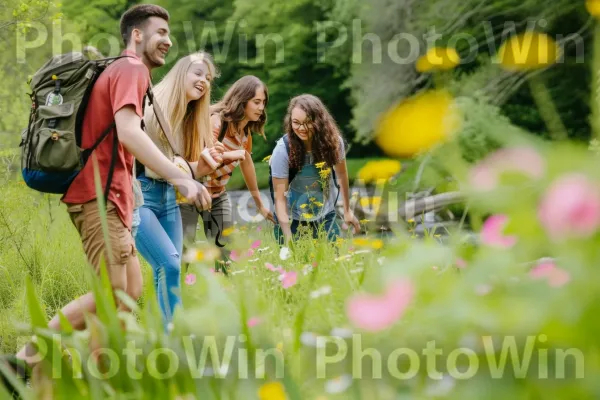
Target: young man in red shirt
118, 96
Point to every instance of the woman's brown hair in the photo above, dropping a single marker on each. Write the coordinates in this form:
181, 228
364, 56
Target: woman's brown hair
326, 137
232, 105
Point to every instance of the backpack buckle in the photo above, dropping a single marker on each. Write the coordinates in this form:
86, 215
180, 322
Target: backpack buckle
54, 136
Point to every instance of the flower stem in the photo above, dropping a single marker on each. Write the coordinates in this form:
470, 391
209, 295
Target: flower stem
547, 108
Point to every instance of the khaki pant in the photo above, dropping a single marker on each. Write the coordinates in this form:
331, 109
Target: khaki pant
87, 220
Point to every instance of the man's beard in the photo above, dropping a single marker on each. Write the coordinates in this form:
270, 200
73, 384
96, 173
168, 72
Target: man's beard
153, 60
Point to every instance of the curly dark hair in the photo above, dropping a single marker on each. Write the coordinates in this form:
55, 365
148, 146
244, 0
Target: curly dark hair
137, 17
232, 105
326, 137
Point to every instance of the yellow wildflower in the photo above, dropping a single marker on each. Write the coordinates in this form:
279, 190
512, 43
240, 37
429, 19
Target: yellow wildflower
312, 199
272, 391
418, 123
593, 7
320, 165
228, 231
307, 215
438, 59
318, 204
324, 173
374, 202
360, 242
267, 158
363, 221
377, 244
527, 51
303, 206
373, 171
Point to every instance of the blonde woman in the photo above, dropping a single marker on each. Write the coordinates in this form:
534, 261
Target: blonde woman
184, 95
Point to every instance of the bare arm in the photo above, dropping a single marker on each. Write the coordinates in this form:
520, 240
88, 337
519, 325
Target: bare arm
135, 140
280, 186
341, 172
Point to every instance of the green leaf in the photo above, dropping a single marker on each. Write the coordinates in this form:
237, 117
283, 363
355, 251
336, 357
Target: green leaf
36, 312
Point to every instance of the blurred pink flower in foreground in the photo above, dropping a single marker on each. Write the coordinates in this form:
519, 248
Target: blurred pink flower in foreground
289, 279
253, 322
190, 279
571, 207
377, 312
525, 160
234, 256
555, 276
492, 232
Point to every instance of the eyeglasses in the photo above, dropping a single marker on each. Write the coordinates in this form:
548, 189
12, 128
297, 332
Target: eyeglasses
306, 124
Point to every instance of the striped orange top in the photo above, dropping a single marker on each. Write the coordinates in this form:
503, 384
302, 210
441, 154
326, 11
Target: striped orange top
216, 181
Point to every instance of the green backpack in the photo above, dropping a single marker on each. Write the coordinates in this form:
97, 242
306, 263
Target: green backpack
51, 153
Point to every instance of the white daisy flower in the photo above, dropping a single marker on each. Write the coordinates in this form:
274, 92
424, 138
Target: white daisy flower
310, 339
307, 269
344, 333
362, 252
441, 387
263, 249
241, 271
324, 291
339, 384
284, 253
253, 260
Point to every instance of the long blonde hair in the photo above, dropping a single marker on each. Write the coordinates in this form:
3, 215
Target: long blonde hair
189, 121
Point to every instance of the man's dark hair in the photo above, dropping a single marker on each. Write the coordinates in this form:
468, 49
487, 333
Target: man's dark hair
137, 17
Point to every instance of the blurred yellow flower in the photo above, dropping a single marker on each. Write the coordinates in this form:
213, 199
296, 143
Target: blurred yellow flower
303, 206
318, 204
593, 7
374, 202
363, 221
228, 231
377, 244
307, 215
438, 59
418, 123
527, 51
411, 221
311, 199
320, 165
373, 171
267, 158
360, 242
272, 391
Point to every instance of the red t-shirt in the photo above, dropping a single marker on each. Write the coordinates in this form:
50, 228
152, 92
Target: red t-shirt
124, 82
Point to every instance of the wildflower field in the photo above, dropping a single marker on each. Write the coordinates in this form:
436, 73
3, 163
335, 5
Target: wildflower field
500, 301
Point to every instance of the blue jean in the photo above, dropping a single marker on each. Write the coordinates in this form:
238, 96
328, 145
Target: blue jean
160, 241
328, 224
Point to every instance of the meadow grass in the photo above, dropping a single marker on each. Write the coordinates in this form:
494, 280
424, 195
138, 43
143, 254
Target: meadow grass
42, 267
